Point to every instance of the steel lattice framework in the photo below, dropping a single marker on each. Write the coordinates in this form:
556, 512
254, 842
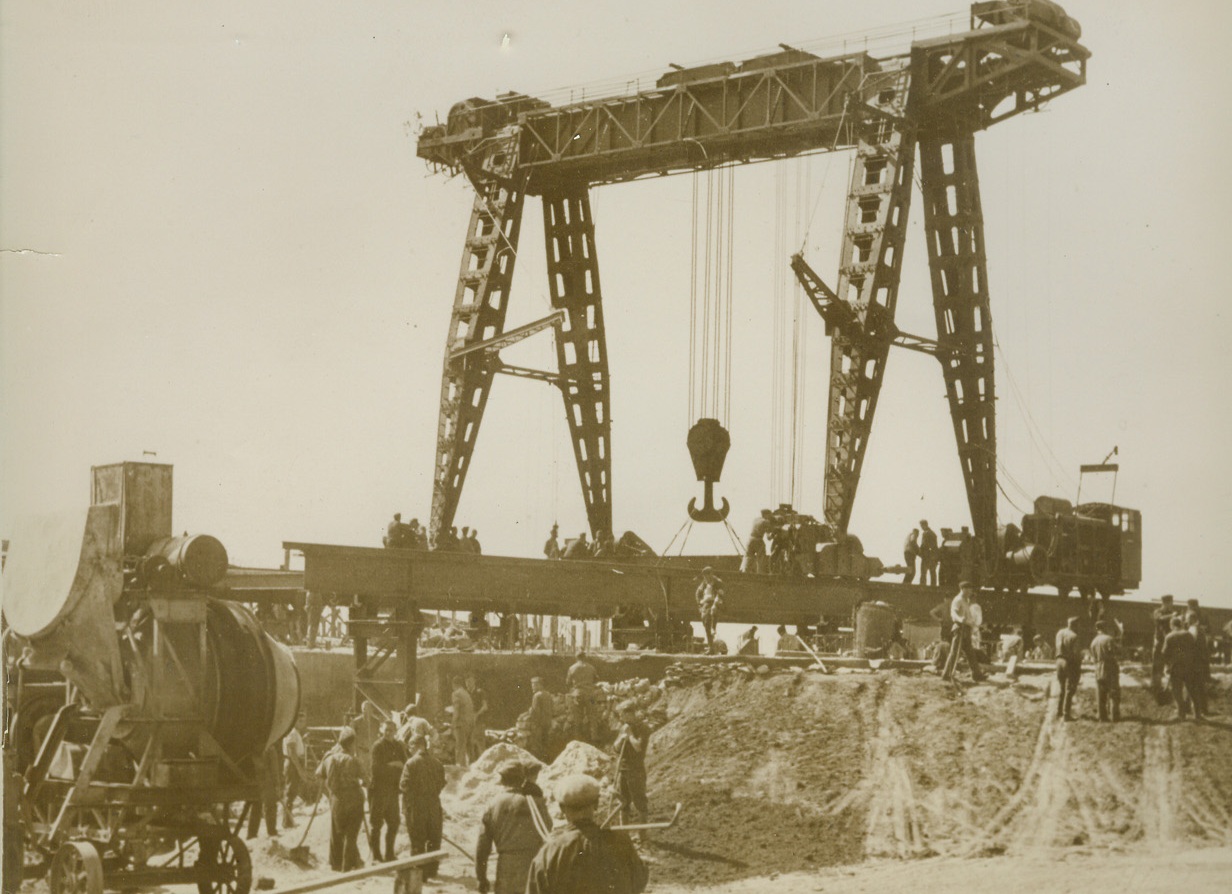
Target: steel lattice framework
1014, 57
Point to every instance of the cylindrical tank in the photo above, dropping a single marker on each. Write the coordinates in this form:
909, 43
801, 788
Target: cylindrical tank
874, 629
199, 558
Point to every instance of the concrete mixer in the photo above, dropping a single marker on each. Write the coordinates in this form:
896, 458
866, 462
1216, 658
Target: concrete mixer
140, 706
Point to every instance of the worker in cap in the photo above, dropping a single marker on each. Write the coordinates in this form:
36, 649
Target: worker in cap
515, 823
1069, 667
961, 621
511, 773
581, 857
630, 747
1106, 653
422, 779
709, 596
1162, 618
341, 773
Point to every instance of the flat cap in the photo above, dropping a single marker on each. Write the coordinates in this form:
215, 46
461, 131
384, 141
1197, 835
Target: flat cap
966, 585
577, 791
1167, 597
511, 772
345, 735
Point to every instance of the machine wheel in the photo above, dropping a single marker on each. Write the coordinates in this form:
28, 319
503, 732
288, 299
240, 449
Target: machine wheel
227, 863
76, 869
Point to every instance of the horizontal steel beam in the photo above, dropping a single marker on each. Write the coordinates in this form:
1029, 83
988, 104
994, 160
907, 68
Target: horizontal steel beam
513, 336
594, 589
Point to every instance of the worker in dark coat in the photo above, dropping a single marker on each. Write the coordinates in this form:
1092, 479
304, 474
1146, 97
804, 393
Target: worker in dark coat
342, 773
631, 747
911, 552
388, 757
582, 858
1069, 667
269, 781
423, 777
1106, 653
1162, 617
516, 823
1180, 657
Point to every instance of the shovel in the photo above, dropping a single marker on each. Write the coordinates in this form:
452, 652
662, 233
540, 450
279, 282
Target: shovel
300, 853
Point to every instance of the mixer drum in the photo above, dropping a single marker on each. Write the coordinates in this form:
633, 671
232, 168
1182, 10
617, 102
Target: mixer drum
257, 690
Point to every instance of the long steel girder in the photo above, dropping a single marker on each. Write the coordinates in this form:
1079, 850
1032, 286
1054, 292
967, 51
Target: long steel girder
581, 345
869, 269
479, 307
954, 226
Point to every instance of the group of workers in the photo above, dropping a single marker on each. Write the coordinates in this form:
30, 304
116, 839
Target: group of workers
410, 535
405, 782
408, 773
1181, 647
602, 547
921, 545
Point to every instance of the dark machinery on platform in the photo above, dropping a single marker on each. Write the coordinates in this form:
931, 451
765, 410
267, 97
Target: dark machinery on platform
140, 704
1014, 57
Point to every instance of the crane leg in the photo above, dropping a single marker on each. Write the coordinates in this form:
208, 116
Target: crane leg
581, 344
875, 228
954, 225
479, 306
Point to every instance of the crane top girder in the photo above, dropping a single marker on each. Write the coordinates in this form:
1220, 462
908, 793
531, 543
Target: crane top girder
1012, 59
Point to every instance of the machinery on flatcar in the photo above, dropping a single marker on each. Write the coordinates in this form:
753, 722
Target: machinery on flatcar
140, 705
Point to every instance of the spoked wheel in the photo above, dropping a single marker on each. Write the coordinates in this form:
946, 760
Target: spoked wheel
76, 869
224, 866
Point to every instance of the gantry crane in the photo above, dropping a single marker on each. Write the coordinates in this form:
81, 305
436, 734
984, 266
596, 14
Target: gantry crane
1013, 57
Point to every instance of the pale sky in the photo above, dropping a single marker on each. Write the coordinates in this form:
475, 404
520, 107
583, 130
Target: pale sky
219, 246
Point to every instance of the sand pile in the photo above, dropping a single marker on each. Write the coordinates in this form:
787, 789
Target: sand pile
786, 771
473, 790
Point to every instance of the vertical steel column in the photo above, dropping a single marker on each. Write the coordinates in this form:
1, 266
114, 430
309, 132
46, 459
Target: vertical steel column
869, 268
581, 345
479, 307
358, 611
406, 615
954, 225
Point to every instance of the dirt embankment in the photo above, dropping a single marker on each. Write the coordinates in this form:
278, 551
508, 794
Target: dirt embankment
788, 771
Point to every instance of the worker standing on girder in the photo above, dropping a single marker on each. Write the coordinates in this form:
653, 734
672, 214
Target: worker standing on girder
1069, 667
551, 547
577, 549
911, 552
930, 555
709, 597
755, 558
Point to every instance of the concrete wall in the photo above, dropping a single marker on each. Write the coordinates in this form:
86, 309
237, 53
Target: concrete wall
326, 679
